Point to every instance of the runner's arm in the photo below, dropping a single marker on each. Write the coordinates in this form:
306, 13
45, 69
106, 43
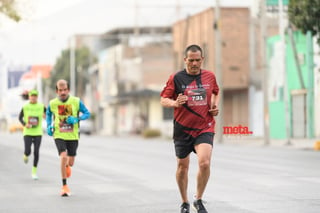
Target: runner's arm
48, 116
44, 112
168, 102
21, 118
85, 112
215, 100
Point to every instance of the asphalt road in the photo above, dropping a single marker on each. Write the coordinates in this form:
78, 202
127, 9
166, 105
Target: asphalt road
131, 174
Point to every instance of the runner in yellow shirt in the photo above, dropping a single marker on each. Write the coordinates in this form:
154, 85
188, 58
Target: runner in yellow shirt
31, 118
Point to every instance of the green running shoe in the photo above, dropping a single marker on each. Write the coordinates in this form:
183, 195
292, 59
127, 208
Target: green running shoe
34, 173
25, 159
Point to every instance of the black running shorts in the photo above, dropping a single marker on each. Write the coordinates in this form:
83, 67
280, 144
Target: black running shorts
184, 148
69, 146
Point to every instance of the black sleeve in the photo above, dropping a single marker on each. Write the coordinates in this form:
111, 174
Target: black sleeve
21, 118
45, 109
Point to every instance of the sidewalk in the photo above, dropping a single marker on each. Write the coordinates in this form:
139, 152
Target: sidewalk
301, 143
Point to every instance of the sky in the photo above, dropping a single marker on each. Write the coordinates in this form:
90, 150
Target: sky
48, 24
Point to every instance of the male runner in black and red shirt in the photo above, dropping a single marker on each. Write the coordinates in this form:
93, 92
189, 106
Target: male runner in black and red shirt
193, 92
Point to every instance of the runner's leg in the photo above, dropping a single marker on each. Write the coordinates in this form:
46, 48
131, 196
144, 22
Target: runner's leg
204, 151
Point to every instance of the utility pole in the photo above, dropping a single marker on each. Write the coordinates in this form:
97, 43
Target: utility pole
282, 27
72, 66
263, 27
218, 69
310, 93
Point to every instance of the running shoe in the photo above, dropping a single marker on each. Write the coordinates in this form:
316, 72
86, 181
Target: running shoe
68, 171
199, 207
65, 191
25, 159
34, 173
185, 208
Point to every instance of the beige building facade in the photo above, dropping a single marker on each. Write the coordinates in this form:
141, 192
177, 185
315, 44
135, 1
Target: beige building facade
131, 77
235, 35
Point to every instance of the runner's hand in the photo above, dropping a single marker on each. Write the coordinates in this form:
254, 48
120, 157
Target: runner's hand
214, 111
181, 99
50, 130
72, 120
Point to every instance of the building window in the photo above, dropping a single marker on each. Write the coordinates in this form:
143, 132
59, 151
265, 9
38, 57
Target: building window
167, 113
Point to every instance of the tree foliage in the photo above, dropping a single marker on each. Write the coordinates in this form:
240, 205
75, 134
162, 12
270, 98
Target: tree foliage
61, 70
7, 7
305, 15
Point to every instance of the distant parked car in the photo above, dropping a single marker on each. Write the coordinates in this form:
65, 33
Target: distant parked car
13, 124
86, 126
15, 127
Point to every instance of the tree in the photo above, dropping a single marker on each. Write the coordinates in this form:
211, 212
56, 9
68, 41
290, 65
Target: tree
7, 7
61, 70
304, 14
